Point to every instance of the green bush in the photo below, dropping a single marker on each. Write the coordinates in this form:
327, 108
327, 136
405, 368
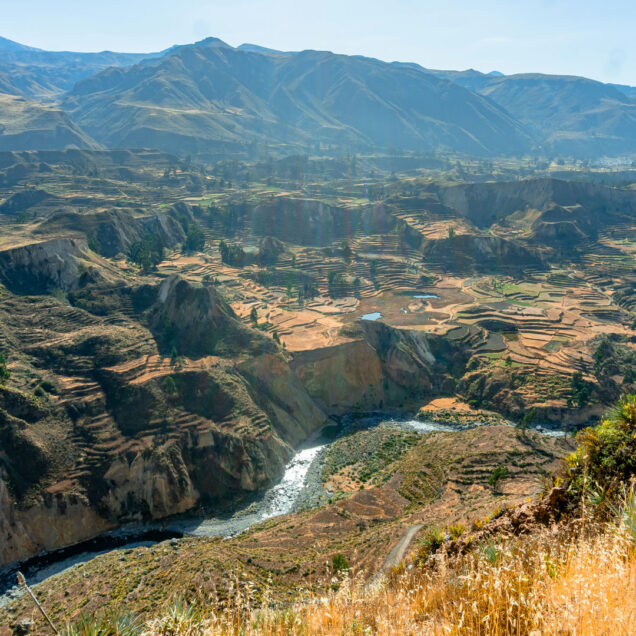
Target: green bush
606, 455
4, 372
339, 562
501, 472
169, 386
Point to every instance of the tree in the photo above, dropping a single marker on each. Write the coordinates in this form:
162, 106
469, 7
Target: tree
337, 284
148, 252
356, 287
4, 372
528, 418
232, 255
169, 386
347, 252
254, 316
579, 389
195, 239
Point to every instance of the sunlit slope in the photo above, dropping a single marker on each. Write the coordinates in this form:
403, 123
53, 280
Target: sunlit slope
212, 96
26, 125
565, 114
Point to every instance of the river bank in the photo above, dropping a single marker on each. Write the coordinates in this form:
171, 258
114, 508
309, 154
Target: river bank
300, 488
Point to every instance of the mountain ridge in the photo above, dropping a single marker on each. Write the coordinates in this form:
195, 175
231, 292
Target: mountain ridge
210, 98
234, 96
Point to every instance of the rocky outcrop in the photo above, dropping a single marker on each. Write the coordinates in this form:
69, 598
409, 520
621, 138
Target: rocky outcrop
383, 367
196, 321
41, 267
486, 203
59, 520
468, 253
310, 221
114, 232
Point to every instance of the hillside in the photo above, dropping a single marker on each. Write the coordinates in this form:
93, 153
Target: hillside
565, 115
47, 74
210, 97
28, 125
547, 564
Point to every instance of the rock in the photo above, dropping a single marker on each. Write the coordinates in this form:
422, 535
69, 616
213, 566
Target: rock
556, 498
25, 626
44, 266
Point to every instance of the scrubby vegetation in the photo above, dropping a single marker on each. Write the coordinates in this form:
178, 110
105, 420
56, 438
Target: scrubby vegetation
570, 572
148, 252
606, 457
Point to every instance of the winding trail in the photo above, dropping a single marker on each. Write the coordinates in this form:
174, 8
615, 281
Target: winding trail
399, 549
397, 553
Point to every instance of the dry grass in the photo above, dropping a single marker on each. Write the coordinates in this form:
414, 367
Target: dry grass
541, 584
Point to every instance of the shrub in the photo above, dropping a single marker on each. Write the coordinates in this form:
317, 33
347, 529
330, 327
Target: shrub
4, 372
501, 472
606, 455
48, 386
431, 543
339, 562
169, 386
456, 531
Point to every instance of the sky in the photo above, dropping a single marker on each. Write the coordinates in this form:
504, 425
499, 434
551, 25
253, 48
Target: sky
592, 38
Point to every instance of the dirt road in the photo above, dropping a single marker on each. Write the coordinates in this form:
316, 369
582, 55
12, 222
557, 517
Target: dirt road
397, 553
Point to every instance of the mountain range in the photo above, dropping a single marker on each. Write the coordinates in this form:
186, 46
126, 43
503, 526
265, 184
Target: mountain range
210, 98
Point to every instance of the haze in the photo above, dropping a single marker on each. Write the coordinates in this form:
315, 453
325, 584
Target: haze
549, 36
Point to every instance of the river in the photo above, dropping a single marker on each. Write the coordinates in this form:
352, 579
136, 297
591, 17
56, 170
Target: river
300, 485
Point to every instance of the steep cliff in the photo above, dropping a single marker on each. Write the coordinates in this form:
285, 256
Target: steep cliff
383, 367
123, 433
47, 265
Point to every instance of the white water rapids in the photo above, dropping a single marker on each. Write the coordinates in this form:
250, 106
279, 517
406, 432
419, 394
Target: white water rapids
278, 500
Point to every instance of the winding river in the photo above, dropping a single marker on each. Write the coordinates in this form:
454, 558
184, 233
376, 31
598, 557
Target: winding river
299, 485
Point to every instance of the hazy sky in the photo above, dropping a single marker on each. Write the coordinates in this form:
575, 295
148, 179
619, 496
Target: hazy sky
595, 38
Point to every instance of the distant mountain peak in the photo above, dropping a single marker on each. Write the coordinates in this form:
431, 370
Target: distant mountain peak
212, 42
10, 45
496, 73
